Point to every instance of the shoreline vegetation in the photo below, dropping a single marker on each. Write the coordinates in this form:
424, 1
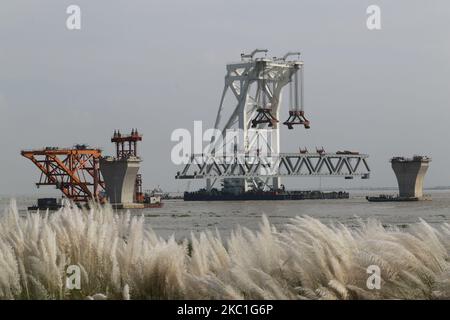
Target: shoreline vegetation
120, 258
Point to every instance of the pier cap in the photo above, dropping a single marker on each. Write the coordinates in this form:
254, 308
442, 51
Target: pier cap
413, 159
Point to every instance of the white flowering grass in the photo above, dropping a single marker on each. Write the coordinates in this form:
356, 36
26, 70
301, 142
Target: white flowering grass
120, 258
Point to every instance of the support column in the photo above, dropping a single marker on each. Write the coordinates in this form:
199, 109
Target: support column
410, 174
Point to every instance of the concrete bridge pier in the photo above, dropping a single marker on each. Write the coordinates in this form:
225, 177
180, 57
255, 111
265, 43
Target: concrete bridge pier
120, 178
410, 174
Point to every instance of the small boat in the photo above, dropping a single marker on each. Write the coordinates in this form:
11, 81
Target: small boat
153, 201
50, 204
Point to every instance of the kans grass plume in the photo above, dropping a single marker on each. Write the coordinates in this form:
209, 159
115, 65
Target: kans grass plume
120, 258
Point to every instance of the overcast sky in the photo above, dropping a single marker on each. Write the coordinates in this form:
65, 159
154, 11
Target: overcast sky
159, 65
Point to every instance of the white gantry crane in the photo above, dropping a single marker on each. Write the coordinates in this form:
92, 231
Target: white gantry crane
249, 112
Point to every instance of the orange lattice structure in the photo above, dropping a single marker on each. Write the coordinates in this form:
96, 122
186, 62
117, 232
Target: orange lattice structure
74, 171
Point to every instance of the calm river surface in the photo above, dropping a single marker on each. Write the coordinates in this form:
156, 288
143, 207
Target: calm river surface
181, 218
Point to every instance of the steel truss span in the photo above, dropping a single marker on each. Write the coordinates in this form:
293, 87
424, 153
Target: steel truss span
282, 165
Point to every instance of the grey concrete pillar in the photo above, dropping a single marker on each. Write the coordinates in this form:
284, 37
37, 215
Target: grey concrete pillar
410, 174
120, 178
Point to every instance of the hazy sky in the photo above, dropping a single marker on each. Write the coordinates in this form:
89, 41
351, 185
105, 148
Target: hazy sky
159, 65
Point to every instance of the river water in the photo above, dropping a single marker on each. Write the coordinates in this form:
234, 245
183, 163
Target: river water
181, 218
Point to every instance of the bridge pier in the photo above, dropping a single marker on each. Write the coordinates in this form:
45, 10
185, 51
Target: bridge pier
410, 173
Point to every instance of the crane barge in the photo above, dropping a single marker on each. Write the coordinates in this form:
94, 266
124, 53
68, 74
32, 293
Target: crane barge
254, 165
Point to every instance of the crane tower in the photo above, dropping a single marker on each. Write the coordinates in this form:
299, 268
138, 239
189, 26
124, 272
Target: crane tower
256, 84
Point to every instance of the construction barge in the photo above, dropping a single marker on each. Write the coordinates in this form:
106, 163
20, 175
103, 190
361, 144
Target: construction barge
390, 198
215, 195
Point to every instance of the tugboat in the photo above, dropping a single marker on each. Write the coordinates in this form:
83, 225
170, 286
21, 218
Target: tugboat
152, 199
50, 204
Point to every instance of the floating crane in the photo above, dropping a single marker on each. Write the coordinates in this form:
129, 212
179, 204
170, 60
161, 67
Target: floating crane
255, 85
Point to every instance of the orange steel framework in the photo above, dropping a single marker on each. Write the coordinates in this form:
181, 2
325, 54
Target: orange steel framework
75, 171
